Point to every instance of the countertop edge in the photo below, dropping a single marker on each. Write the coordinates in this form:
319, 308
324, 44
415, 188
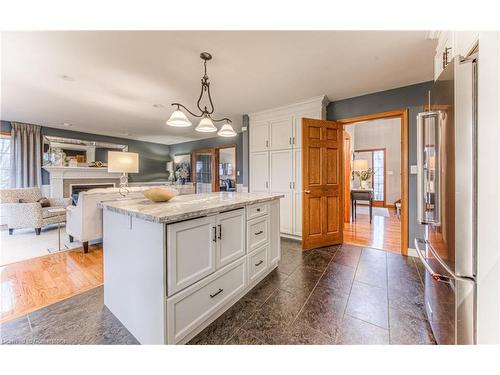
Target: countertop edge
186, 215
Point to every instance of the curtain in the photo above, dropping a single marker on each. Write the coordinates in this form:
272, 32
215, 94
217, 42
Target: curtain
25, 155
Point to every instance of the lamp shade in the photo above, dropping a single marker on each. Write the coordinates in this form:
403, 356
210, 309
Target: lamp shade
226, 130
123, 162
179, 119
360, 165
206, 125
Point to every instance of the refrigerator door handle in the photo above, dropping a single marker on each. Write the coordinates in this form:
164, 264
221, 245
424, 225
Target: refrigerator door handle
435, 276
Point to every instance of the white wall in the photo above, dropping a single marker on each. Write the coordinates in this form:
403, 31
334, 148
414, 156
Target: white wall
488, 240
383, 133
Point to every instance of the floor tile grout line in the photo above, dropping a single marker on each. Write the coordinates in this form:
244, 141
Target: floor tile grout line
313, 289
367, 322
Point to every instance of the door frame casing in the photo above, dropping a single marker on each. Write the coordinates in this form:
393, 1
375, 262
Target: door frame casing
402, 114
214, 151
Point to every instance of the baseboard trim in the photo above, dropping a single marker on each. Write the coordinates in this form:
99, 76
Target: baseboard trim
412, 252
291, 236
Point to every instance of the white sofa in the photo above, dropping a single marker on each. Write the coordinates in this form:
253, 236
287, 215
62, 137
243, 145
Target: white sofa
84, 221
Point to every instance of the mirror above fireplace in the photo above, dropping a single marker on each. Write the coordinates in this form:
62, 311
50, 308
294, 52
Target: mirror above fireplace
59, 151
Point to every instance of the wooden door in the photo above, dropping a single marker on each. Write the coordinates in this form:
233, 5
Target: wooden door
322, 183
347, 176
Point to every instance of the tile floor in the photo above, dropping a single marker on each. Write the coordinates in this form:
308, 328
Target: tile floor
335, 295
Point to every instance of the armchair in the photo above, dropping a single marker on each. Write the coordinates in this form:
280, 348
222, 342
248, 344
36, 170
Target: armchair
31, 214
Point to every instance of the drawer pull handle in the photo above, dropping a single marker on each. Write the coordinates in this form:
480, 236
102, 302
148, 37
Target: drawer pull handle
215, 234
259, 232
258, 209
220, 232
216, 293
259, 263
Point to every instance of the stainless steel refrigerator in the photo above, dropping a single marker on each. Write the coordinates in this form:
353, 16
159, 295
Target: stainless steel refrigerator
446, 177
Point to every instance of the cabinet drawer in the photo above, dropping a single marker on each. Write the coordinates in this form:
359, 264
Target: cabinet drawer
256, 210
257, 263
257, 233
191, 307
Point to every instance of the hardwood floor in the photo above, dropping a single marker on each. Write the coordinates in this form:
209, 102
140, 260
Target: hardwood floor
383, 233
35, 283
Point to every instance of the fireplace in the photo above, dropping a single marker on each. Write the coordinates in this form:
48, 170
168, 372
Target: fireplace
77, 188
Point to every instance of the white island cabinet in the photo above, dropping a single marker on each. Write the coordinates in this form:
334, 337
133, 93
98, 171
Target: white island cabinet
170, 269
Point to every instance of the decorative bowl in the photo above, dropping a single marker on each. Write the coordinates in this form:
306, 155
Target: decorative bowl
159, 194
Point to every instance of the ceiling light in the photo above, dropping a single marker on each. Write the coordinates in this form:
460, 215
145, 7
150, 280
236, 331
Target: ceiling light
226, 130
67, 124
179, 119
206, 125
207, 122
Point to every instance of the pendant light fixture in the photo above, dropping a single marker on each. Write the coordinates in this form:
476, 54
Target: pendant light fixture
206, 124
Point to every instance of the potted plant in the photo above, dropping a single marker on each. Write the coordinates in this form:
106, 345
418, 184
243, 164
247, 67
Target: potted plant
364, 176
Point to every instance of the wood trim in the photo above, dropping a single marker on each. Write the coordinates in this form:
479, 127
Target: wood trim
403, 115
346, 152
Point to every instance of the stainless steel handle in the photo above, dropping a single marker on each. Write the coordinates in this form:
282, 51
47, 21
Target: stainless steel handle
435, 276
293, 140
290, 140
267, 143
220, 232
216, 293
290, 185
259, 232
259, 263
267, 184
214, 238
307, 191
428, 167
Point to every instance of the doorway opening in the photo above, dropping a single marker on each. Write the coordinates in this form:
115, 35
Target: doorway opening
375, 176
214, 169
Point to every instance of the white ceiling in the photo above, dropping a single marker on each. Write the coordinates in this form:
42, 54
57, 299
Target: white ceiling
116, 77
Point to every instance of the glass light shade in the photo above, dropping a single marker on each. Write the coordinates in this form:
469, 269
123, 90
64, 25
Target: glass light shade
360, 165
226, 130
179, 119
123, 162
206, 125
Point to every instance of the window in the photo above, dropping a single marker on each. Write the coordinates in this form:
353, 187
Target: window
4, 161
378, 175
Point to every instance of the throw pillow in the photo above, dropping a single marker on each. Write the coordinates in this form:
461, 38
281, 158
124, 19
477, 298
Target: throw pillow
44, 202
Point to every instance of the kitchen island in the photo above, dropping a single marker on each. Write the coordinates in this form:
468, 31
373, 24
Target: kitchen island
170, 269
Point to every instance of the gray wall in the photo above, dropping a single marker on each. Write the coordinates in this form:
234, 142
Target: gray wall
188, 147
152, 156
412, 97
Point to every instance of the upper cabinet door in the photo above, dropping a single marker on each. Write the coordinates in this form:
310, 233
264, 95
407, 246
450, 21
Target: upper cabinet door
297, 125
259, 136
281, 133
259, 171
230, 236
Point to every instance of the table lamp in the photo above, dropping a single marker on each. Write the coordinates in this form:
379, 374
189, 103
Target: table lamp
123, 162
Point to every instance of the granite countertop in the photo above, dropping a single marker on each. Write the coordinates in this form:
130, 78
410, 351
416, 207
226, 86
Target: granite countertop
184, 207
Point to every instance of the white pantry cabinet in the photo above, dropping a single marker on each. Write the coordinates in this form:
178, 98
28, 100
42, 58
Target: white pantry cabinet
275, 156
452, 44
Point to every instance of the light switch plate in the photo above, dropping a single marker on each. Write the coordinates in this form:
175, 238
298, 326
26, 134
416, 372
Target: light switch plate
413, 169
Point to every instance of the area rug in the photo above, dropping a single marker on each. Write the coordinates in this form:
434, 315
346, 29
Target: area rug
377, 211
25, 244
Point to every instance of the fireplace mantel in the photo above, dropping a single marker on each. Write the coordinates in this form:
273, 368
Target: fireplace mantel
59, 174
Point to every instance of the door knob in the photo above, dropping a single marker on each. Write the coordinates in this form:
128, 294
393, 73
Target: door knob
307, 191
